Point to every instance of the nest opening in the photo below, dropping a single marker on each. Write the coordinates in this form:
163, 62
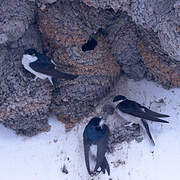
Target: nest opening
90, 45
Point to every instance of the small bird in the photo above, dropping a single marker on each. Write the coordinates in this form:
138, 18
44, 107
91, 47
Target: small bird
43, 67
96, 135
130, 110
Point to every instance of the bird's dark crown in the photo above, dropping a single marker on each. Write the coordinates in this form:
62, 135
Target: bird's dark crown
119, 98
30, 52
95, 121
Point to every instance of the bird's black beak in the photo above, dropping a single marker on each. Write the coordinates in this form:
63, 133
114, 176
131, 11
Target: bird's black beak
114, 100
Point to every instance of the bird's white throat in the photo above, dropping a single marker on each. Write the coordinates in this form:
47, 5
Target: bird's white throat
117, 102
101, 123
28, 59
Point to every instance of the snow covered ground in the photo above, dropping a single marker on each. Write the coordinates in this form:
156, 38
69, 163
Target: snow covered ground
42, 157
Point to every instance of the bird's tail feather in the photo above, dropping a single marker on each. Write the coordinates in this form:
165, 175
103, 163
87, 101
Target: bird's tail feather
105, 166
157, 120
155, 114
63, 75
146, 126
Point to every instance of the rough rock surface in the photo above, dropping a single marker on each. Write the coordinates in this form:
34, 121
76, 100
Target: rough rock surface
122, 38
93, 39
163, 17
74, 40
160, 15
24, 104
161, 68
105, 4
15, 17
125, 133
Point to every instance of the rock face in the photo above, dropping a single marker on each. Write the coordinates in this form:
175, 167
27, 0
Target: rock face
15, 17
76, 43
161, 68
160, 15
96, 40
24, 104
163, 17
122, 38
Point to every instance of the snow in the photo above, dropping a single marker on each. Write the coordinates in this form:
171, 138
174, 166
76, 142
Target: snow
43, 156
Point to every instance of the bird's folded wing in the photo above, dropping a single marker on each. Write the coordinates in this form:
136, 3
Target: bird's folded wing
136, 110
102, 146
147, 116
43, 67
154, 114
49, 69
86, 154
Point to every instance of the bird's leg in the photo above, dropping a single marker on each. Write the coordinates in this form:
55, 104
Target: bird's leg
35, 78
130, 124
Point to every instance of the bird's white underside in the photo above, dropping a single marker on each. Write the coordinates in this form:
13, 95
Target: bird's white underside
93, 156
26, 60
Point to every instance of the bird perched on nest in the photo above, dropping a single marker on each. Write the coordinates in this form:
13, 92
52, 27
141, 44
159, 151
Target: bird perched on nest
43, 67
131, 110
95, 139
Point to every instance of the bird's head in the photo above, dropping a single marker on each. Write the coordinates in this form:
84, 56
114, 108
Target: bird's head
30, 55
96, 122
119, 99
31, 52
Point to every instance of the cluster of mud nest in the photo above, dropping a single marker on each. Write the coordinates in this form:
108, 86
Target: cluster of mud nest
96, 42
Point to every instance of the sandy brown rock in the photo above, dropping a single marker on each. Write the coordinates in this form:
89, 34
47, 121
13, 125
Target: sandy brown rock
65, 32
162, 17
122, 38
164, 69
15, 17
24, 103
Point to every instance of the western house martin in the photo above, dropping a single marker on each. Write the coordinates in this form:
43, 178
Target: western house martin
43, 67
130, 110
96, 134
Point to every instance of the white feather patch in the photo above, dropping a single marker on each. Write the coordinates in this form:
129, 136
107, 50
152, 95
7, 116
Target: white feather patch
26, 60
93, 156
101, 123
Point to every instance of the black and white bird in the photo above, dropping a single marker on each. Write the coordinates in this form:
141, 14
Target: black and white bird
132, 111
95, 139
43, 67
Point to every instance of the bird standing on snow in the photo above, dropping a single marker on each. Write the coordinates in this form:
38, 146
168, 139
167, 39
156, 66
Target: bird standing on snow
95, 137
43, 67
130, 110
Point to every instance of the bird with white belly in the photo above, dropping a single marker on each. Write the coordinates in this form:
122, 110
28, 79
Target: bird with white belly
43, 67
132, 111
